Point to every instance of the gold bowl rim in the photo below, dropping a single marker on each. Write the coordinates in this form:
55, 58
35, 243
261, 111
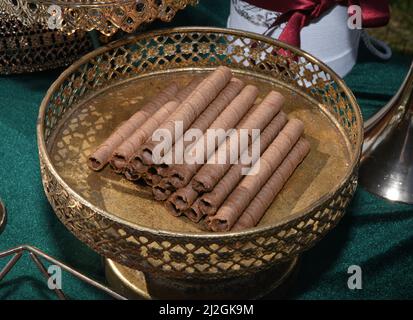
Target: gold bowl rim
80, 3
204, 235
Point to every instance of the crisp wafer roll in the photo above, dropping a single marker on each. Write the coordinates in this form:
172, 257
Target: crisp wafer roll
128, 147
180, 175
208, 203
201, 123
181, 200
100, 157
194, 213
189, 110
246, 190
151, 179
135, 172
207, 117
256, 209
210, 174
162, 190
124, 152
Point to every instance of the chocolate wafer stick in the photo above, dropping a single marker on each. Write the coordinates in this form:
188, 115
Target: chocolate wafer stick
162, 190
201, 123
193, 213
132, 175
151, 179
208, 116
180, 175
100, 157
256, 209
129, 146
259, 118
208, 203
189, 110
181, 200
188, 89
210, 174
246, 190
135, 170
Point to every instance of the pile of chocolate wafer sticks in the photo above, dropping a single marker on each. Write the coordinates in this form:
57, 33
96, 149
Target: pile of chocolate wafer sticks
230, 195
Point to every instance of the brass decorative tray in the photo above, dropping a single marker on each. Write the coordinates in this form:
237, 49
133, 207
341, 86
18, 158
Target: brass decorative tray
106, 16
121, 221
36, 48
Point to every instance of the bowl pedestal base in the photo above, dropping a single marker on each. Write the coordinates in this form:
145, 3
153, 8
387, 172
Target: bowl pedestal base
134, 284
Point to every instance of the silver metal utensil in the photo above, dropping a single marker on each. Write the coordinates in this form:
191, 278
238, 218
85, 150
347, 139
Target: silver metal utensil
387, 162
3, 216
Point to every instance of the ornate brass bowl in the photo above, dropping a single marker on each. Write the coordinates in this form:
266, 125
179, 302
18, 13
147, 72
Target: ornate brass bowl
106, 16
36, 48
120, 220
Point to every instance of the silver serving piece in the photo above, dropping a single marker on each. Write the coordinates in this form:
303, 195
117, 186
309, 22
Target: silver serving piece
38, 257
3, 216
387, 162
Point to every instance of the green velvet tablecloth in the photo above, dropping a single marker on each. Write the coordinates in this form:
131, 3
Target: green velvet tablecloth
375, 234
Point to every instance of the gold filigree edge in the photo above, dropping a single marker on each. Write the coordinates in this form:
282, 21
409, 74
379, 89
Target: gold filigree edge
103, 16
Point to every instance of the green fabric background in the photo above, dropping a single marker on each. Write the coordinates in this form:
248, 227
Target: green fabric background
375, 234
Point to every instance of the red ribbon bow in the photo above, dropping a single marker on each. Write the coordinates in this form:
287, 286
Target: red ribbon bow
299, 13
